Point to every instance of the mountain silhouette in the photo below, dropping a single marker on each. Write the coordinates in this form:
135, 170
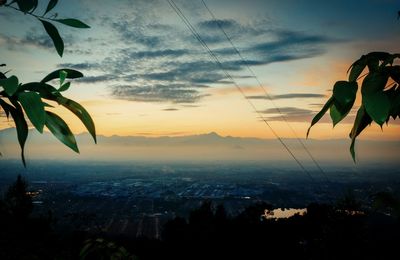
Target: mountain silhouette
209, 146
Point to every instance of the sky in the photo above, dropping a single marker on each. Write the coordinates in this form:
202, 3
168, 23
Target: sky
146, 74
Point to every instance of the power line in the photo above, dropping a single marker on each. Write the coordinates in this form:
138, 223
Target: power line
212, 54
265, 91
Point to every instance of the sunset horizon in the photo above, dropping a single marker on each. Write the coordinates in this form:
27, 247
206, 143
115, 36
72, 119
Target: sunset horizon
153, 77
199, 129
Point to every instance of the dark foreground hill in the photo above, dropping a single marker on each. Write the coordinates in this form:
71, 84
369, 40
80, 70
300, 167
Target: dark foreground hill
344, 230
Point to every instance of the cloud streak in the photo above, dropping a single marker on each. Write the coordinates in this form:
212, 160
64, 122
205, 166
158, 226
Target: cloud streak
80, 66
288, 96
165, 58
290, 114
158, 93
294, 114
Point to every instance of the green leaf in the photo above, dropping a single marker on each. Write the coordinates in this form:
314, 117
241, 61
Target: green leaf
375, 101
345, 92
356, 68
394, 73
71, 74
320, 114
72, 22
64, 87
45, 90
26, 5
49, 92
373, 59
2, 76
35, 4
374, 82
60, 130
20, 124
81, 113
47, 104
373, 64
10, 85
63, 75
54, 35
394, 97
5, 108
378, 55
22, 129
50, 6
84, 251
390, 59
360, 123
377, 106
335, 114
34, 109
352, 149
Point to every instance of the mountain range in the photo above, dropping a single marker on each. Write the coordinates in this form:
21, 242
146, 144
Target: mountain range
207, 147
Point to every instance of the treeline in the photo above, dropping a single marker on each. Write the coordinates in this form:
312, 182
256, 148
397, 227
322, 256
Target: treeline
341, 231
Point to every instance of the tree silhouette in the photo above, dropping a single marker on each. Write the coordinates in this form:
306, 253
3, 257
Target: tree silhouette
17, 201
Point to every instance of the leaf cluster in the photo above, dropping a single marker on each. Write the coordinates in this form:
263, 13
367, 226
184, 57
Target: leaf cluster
380, 100
17, 98
100, 247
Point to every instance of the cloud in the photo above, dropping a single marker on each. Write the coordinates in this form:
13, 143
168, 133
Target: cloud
214, 24
289, 41
289, 96
287, 111
35, 40
279, 46
80, 66
159, 53
319, 105
97, 79
158, 93
9, 42
294, 114
288, 46
291, 114
210, 32
158, 60
190, 105
38, 40
191, 72
140, 32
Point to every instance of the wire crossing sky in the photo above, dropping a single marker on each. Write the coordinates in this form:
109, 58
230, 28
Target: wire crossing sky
145, 74
213, 56
265, 91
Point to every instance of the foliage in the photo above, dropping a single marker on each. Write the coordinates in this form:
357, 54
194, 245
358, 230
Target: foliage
17, 201
17, 99
101, 248
379, 91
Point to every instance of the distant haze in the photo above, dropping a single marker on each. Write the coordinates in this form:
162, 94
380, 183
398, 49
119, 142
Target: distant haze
205, 147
